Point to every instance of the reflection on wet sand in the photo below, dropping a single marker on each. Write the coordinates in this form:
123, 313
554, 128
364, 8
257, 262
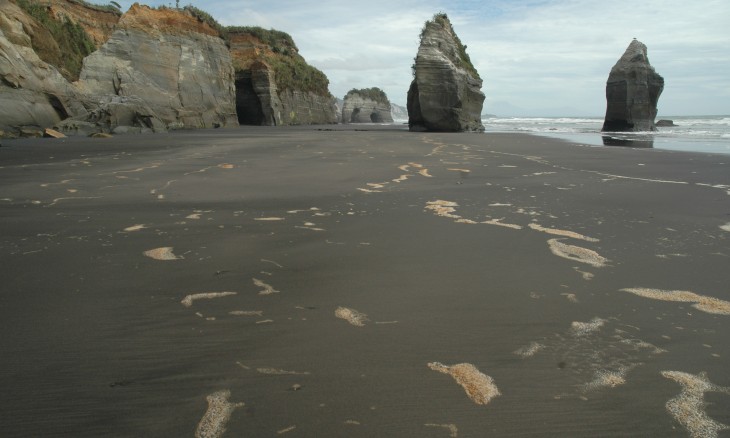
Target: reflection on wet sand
629, 140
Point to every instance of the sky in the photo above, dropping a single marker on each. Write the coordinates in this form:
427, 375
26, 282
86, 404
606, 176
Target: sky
536, 57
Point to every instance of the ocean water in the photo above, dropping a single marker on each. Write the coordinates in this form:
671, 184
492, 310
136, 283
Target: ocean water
690, 133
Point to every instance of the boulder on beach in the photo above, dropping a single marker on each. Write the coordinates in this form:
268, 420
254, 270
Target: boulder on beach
632, 92
445, 94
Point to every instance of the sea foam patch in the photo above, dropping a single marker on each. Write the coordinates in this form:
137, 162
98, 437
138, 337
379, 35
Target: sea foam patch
704, 303
164, 253
577, 253
188, 300
351, 315
213, 423
479, 387
688, 407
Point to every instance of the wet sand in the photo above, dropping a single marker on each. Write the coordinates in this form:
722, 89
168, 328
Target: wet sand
320, 281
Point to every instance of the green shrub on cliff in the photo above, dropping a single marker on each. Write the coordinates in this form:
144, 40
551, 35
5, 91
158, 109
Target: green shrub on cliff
291, 71
442, 20
68, 44
373, 93
205, 17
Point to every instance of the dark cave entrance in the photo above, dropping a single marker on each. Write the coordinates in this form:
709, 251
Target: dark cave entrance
354, 116
248, 104
375, 117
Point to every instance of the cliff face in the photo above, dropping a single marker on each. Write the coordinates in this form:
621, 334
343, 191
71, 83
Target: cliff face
159, 69
632, 92
366, 106
274, 85
33, 94
445, 94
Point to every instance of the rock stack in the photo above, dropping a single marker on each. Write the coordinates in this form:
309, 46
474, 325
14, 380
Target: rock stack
632, 92
445, 94
368, 105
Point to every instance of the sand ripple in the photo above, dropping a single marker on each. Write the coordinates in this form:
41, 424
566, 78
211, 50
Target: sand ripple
213, 423
479, 387
688, 407
706, 304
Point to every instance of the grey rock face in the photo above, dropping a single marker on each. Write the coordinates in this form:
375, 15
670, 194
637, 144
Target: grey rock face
632, 92
33, 94
182, 80
360, 109
260, 102
445, 94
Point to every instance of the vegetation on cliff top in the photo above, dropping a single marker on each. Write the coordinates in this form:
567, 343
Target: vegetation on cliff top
374, 93
442, 20
66, 46
291, 71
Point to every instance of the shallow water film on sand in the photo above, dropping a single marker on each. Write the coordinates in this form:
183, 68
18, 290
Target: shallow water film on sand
372, 282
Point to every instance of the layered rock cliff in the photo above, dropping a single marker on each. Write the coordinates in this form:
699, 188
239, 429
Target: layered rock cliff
368, 105
274, 84
632, 92
159, 69
445, 94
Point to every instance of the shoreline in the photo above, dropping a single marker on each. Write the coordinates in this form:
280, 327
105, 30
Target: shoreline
366, 281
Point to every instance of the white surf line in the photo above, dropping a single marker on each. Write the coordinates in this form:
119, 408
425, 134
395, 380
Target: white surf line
688, 408
703, 303
269, 219
188, 300
205, 169
65, 181
272, 262
278, 372
216, 417
725, 227
577, 253
352, 316
479, 387
139, 169
716, 186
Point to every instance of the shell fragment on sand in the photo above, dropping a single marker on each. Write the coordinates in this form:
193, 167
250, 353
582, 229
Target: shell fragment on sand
213, 423
688, 407
164, 253
479, 387
188, 300
352, 316
577, 253
707, 304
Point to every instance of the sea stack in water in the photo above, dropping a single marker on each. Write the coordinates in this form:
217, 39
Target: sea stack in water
445, 94
632, 92
368, 105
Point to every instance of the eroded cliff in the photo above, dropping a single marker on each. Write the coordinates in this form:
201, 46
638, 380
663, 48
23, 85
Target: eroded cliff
274, 84
445, 94
369, 105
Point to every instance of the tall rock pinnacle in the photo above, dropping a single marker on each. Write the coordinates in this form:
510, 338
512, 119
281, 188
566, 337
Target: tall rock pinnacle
445, 94
632, 92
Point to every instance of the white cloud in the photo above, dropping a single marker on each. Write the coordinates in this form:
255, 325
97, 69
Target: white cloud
533, 54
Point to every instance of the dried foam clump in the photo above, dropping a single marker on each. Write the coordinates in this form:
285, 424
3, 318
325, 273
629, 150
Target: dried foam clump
479, 387
188, 300
577, 253
278, 372
704, 303
246, 312
351, 315
164, 253
565, 233
584, 328
213, 423
453, 430
688, 407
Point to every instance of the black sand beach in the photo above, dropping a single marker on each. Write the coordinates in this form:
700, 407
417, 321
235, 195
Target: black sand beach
323, 281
